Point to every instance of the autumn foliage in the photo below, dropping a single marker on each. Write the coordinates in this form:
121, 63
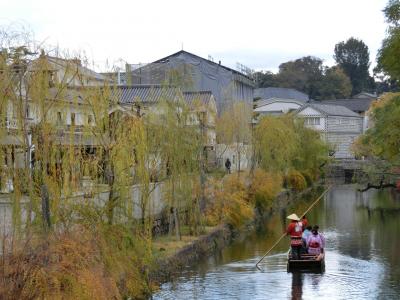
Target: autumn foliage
233, 199
264, 188
296, 180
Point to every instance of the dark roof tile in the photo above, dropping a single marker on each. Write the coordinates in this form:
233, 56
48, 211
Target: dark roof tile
331, 110
282, 93
144, 93
356, 105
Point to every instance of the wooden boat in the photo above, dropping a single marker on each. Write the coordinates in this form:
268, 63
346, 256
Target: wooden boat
306, 261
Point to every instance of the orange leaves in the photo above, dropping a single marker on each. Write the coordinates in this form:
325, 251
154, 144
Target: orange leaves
66, 266
265, 186
296, 180
229, 202
232, 200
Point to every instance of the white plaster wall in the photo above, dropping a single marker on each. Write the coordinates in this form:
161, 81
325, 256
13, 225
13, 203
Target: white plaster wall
309, 112
232, 152
278, 106
345, 124
342, 144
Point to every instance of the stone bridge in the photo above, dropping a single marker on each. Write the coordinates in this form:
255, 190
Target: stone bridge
345, 168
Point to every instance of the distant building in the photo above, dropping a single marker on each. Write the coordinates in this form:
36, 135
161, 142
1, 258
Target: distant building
277, 101
364, 95
61, 104
280, 93
70, 72
358, 105
338, 125
138, 100
193, 74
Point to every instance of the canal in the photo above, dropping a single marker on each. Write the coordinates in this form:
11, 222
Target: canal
362, 255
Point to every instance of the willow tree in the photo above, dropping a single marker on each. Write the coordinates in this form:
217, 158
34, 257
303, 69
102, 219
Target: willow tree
312, 151
31, 91
178, 146
275, 143
382, 140
283, 143
234, 129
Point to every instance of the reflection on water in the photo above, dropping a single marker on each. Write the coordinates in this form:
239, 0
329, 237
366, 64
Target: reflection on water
362, 261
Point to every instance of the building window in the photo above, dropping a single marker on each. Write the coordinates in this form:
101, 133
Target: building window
312, 121
73, 119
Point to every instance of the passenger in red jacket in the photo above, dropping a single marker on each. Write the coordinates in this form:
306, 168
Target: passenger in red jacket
295, 231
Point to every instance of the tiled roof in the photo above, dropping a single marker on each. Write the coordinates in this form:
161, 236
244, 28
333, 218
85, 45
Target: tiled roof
331, 110
365, 95
144, 93
282, 93
263, 102
356, 105
165, 59
201, 96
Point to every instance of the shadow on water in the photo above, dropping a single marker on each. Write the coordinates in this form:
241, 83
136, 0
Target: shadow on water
298, 280
297, 285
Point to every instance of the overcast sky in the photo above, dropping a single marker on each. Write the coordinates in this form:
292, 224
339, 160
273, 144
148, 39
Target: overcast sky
260, 34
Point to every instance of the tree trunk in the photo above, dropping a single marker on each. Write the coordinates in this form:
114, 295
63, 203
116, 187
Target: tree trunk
239, 158
171, 221
110, 177
110, 206
177, 225
45, 206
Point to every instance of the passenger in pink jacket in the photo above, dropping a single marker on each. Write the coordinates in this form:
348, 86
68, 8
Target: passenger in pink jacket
315, 242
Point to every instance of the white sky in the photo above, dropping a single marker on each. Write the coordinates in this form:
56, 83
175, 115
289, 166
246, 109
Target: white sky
258, 33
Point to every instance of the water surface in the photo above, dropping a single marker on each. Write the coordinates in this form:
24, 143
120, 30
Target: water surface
362, 260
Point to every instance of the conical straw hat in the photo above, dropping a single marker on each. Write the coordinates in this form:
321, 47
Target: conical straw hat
293, 217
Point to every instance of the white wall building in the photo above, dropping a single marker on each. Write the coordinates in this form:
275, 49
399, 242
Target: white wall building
338, 126
276, 106
239, 155
277, 101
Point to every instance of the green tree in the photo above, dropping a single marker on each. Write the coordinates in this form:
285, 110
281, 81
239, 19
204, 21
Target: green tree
303, 74
311, 150
388, 55
237, 133
334, 85
275, 143
383, 139
284, 143
353, 57
266, 79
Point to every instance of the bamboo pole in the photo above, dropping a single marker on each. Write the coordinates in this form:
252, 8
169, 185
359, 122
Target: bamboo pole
283, 235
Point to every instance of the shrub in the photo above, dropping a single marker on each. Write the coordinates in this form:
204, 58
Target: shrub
63, 266
228, 202
296, 180
264, 188
104, 263
308, 176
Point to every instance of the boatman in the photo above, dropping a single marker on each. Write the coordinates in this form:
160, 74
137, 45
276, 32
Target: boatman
304, 222
295, 231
